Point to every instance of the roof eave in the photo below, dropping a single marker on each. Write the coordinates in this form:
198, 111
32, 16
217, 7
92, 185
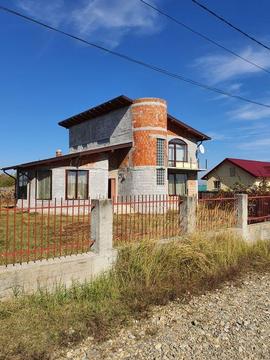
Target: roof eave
199, 135
59, 159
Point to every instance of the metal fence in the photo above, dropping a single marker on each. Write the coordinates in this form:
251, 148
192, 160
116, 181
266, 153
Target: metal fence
48, 229
145, 217
216, 213
258, 209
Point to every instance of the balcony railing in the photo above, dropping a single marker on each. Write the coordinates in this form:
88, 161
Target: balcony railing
190, 164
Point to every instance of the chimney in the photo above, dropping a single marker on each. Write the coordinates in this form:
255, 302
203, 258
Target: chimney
58, 152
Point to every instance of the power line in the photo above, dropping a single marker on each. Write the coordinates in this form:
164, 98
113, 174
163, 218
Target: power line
134, 60
161, 12
231, 25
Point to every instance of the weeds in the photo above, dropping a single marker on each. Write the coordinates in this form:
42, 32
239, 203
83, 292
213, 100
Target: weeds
33, 327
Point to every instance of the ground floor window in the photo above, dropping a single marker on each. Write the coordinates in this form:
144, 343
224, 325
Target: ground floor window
77, 182
160, 176
217, 185
177, 184
22, 185
44, 185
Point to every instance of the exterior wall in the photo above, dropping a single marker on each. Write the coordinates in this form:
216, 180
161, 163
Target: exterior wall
175, 133
142, 123
98, 182
192, 184
149, 122
110, 129
222, 173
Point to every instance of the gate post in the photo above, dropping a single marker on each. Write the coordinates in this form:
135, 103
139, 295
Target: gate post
242, 214
102, 226
188, 209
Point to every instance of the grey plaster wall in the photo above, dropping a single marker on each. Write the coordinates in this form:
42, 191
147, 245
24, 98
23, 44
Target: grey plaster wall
110, 129
191, 146
98, 182
140, 181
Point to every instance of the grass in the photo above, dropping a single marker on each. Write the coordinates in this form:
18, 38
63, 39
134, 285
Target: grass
138, 226
216, 215
146, 274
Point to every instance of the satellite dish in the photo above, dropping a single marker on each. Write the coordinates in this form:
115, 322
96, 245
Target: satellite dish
201, 149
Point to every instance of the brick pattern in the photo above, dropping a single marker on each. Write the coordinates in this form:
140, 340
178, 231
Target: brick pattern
148, 114
145, 149
152, 113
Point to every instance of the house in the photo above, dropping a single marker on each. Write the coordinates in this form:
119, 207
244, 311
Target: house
121, 147
231, 172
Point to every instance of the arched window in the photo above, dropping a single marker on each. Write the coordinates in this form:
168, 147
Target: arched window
177, 151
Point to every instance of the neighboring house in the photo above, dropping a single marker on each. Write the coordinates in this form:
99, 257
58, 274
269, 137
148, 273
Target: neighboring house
121, 147
230, 172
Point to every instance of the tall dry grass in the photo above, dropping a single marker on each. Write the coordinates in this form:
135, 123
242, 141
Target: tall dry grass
215, 214
33, 327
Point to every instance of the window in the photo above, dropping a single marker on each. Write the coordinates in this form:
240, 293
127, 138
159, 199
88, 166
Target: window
177, 151
160, 152
44, 185
177, 184
77, 184
217, 185
22, 185
232, 171
160, 176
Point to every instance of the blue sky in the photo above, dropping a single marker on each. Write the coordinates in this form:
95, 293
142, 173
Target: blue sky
46, 77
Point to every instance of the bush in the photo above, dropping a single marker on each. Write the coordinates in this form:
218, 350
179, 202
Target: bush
6, 181
32, 327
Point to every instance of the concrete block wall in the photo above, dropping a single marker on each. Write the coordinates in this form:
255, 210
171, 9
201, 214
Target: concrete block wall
110, 129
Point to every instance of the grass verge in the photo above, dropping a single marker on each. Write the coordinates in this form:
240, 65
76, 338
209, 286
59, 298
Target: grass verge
33, 327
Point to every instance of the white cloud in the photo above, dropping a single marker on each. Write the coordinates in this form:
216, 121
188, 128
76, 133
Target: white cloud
50, 11
257, 144
110, 20
251, 112
219, 68
103, 21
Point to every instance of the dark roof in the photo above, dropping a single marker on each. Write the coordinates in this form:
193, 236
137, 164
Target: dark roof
118, 103
65, 159
259, 169
113, 104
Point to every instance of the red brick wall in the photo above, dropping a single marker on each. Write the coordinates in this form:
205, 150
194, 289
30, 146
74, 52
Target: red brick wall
145, 114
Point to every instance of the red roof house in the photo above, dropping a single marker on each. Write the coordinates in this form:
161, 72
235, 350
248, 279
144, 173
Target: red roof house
237, 171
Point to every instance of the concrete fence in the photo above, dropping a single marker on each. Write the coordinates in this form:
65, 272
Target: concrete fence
47, 274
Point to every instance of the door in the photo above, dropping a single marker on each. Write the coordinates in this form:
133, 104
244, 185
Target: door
177, 184
111, 188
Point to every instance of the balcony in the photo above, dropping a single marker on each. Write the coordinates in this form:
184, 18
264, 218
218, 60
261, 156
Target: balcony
190, 164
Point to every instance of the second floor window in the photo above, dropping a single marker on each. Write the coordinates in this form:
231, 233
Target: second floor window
77, 184
160, 152
177, 151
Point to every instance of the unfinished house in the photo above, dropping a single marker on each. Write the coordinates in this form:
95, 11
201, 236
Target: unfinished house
121, 147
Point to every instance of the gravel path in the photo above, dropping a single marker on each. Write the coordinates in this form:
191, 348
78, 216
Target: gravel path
230, 323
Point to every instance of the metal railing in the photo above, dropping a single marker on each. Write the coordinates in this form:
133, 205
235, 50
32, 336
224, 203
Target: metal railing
187, 164
145, 217
48, 229
258, 208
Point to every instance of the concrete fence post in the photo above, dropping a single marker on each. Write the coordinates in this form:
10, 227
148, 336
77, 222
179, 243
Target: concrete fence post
188, 214
242, 214
102, 226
